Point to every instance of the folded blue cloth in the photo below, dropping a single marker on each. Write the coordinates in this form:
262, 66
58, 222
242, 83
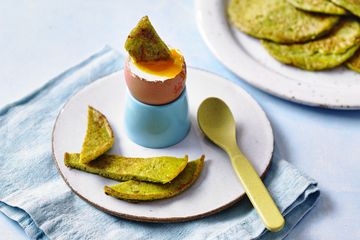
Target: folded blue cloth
33, 193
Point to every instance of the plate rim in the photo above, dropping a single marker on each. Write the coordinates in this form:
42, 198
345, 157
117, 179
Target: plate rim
293, 96
155, 219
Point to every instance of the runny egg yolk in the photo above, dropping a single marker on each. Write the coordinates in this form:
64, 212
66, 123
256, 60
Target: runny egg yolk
164, 68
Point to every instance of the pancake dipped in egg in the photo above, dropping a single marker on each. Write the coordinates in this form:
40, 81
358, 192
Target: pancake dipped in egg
155, 74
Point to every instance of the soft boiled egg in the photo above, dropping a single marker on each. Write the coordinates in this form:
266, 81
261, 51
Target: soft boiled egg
156, 82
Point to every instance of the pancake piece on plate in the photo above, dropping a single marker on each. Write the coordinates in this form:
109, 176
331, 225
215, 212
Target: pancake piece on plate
354, 62
99, 136
278, 20
352, 5
144, 191
318, 6
155, 169
327, 52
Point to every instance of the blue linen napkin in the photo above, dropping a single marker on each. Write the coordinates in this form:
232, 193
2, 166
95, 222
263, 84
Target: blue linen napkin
33, 193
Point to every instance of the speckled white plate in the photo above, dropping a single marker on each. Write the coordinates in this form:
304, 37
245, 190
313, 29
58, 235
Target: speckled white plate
338, 88
217, 187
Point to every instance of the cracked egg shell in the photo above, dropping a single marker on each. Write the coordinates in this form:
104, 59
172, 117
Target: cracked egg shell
151, 89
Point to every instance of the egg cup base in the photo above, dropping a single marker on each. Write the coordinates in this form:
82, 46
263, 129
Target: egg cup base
157, 126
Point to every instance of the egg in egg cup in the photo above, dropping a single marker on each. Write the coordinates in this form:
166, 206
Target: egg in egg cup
156, 110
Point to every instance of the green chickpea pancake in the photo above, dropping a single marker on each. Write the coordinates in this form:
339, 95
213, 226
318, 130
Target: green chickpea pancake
318, 6
99, 136
155, 169
354, 62
278, 20
324, 53
145, 191
144, 44
352, 5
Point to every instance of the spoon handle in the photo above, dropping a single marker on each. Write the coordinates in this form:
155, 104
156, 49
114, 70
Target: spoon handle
256, 191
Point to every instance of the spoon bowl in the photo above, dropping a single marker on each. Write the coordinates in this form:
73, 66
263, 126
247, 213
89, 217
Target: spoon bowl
217, 122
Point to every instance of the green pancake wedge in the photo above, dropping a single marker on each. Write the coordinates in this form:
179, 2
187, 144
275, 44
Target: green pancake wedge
352, 6
144, 44
156, 169
99, 136
324, 53
144, 191
354, 62
319, 6
278, 20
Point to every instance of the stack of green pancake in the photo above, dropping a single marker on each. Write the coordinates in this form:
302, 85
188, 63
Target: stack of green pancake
309, 34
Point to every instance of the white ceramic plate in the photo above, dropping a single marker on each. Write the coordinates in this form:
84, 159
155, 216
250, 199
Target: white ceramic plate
217, 187
338, 88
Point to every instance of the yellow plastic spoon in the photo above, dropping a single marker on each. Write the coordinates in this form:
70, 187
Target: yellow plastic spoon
217, 123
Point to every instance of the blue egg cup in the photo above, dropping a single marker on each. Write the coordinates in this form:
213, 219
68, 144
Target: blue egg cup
157, 126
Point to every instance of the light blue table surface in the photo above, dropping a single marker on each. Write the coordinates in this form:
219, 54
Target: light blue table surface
40, 39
